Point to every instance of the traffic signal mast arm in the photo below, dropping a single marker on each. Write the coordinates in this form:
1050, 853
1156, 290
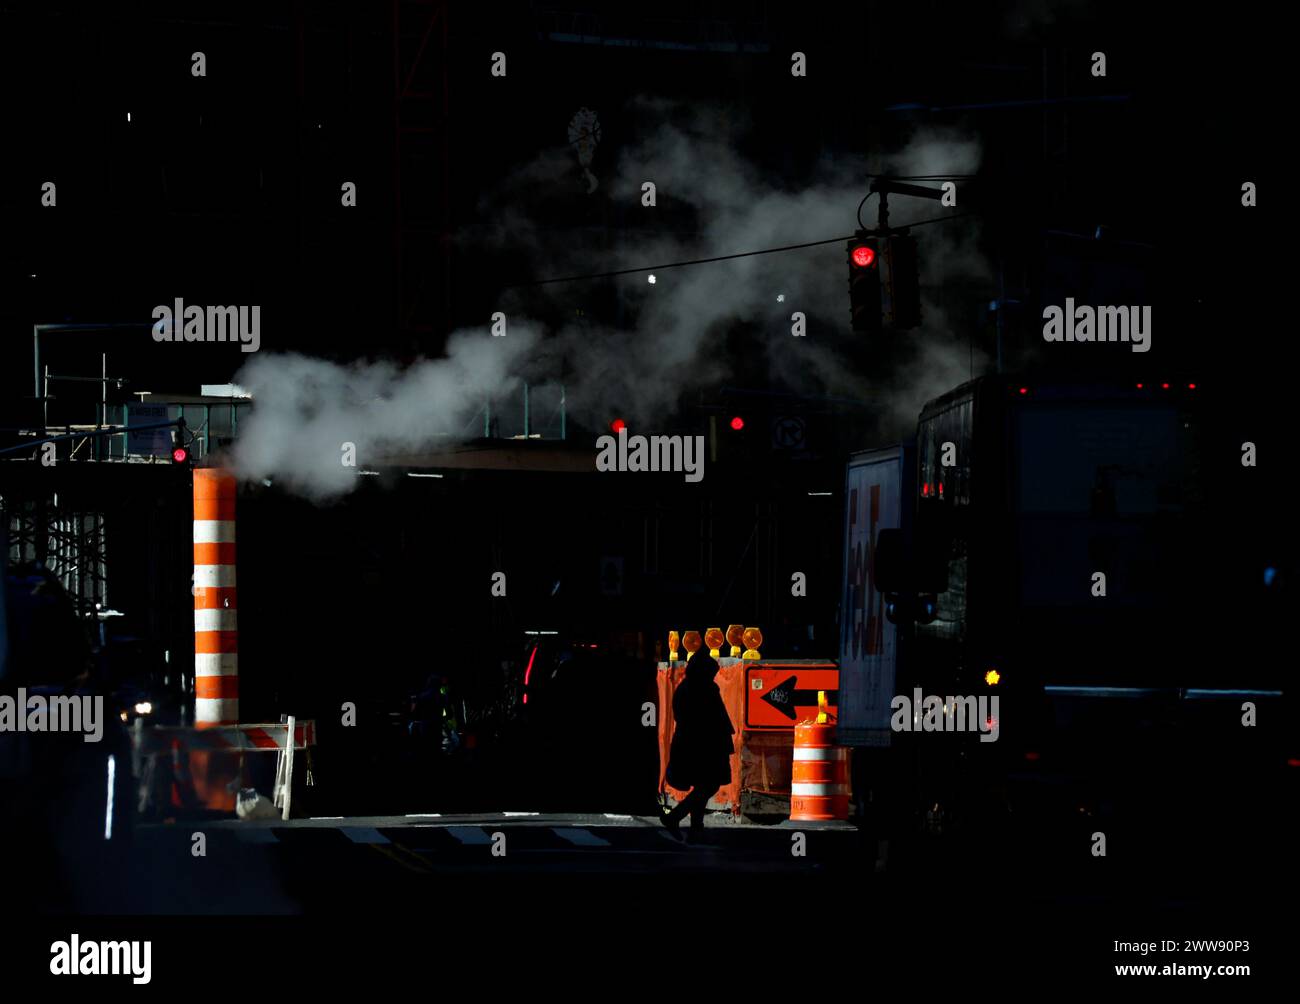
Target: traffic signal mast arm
113, 430
884, 187
884, 275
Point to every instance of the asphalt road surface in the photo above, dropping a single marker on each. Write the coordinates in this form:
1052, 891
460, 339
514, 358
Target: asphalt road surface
274, 866
325, 865
430, 890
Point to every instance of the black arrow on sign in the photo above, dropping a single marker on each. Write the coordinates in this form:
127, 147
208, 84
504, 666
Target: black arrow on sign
785, 698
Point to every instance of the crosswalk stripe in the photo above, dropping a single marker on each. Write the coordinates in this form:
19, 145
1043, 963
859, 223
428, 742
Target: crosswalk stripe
579, 837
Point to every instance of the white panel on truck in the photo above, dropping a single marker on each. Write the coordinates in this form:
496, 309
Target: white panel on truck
874, 484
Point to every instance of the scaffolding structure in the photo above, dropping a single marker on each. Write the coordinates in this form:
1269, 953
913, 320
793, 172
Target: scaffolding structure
69, 542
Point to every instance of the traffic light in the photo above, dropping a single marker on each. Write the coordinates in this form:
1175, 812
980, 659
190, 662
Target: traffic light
864, 284
732, 438
180, 451
901, 283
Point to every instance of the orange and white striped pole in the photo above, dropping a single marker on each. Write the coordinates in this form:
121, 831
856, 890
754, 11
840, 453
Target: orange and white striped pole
216, 631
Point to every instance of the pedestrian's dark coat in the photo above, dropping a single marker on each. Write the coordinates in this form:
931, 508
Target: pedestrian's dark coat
700, 755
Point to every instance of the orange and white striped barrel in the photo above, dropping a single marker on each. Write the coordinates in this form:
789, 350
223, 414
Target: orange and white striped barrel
216, 629
819, 783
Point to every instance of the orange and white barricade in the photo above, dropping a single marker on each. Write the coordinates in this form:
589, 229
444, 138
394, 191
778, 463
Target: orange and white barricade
819, 783
215, 777
216, 625
228, 744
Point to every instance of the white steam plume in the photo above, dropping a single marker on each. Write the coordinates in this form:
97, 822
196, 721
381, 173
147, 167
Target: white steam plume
674, 336
307, 410
674, 341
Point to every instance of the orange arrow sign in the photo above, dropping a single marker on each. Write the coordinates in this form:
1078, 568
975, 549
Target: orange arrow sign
779, 694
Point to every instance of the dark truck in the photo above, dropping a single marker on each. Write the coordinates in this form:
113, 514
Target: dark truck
974, 565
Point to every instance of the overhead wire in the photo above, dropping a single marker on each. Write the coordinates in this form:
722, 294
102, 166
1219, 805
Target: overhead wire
724, 257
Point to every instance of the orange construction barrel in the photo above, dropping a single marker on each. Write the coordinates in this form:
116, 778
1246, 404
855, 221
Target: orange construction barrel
215, 776
216, 625
819, 783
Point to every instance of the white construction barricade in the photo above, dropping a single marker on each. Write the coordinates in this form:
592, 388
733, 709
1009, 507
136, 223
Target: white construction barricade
152, 742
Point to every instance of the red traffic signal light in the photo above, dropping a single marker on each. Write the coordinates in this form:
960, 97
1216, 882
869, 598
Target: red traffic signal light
180, 451
864, 284
737, 423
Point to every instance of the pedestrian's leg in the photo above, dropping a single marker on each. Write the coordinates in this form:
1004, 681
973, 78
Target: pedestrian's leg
673, 817
687, 805
699, 800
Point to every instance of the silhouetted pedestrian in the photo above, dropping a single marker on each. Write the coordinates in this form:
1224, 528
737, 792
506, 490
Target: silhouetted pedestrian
700, 755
